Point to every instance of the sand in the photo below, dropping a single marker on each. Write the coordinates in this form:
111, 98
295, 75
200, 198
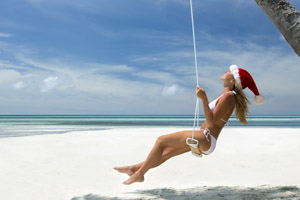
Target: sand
248, 163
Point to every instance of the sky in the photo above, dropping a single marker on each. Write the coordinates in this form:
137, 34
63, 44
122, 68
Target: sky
123, 57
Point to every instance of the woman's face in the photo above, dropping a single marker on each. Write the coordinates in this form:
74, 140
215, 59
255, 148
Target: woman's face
227, 76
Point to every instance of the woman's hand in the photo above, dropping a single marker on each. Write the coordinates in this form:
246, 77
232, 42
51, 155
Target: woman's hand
200, 92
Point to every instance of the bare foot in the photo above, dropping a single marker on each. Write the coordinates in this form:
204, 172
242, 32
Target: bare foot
136, 177
125, 170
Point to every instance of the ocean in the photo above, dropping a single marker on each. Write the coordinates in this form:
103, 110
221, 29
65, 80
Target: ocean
25, 125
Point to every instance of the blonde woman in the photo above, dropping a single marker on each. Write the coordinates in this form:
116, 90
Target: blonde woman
217, 114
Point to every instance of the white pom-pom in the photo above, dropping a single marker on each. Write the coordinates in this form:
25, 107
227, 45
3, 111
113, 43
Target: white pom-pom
259, 99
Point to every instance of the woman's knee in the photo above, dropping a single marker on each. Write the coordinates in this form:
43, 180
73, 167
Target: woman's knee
161, 140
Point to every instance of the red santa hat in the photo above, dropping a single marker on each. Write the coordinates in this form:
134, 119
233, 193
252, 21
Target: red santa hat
243, 80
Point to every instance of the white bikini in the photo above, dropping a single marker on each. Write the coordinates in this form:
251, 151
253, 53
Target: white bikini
206, 131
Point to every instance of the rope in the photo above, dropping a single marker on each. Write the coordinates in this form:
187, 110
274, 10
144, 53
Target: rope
197, 109
194, 40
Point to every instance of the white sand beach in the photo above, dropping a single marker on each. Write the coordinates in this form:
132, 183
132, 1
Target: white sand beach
248, 163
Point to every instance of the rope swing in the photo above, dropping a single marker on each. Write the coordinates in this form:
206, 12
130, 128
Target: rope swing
193, 143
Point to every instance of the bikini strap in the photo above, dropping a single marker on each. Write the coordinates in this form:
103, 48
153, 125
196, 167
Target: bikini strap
206, 132
226, 122
234, 92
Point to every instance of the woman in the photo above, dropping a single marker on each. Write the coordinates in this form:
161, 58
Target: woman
217, 114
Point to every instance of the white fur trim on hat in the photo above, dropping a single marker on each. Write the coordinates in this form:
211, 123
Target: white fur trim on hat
259, 99
235, 72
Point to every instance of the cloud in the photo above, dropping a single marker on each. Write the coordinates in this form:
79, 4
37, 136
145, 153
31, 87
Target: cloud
171, 90
5, 35
50, 83
8, 76
128, 86
274, 68
18, 85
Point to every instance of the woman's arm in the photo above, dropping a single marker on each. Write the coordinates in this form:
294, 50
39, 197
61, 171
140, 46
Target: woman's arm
223, 109
200, 93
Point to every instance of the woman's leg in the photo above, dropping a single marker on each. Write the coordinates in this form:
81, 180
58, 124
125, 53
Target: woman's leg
167, 153
129, 170
166, 146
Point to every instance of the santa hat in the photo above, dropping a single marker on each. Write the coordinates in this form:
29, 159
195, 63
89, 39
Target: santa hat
243, 79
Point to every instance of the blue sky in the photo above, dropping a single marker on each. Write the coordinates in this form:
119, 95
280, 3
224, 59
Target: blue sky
136, 56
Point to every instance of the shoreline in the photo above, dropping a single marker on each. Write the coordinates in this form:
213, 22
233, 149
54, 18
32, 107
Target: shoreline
14, 126
78, 164
101, 129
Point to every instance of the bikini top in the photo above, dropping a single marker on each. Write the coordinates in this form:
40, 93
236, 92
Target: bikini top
212, 105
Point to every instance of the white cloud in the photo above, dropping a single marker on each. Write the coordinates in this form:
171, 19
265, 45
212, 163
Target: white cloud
5, 35
155, 76
106, 87
50, 83
171, 90
7, 76
18, 85
105, 68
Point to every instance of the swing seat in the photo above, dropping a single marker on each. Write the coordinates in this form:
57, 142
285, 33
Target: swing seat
193, 144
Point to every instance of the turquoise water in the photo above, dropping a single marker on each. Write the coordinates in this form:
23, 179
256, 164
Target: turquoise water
24, 125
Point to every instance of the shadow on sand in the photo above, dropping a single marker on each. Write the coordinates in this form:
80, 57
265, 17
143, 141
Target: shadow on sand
209, 193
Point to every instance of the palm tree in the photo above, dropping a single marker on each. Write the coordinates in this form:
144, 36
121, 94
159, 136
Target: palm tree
286, 18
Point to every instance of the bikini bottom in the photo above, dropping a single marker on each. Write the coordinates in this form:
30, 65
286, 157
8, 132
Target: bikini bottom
213, 141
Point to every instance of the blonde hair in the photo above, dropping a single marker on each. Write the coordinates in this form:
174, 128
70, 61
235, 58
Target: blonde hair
241, 107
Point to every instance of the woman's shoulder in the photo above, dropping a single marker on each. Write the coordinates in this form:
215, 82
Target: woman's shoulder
228, 96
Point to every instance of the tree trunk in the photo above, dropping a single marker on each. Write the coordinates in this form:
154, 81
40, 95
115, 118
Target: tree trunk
286, 18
